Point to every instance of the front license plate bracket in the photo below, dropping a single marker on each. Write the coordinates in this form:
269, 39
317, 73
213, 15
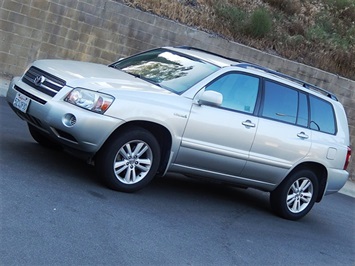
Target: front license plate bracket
21, 102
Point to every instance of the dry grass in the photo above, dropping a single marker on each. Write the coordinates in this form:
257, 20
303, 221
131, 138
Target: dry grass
320, 33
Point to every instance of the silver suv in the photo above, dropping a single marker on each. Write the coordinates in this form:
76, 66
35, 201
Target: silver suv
185, 110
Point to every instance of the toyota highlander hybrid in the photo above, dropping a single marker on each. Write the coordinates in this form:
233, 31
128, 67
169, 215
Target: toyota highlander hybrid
189, 111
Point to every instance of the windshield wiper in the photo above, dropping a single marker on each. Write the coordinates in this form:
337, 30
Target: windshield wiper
145, 79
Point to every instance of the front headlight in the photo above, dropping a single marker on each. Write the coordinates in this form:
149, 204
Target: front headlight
90, 100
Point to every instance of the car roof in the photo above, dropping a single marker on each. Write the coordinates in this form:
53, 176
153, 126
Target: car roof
223, 61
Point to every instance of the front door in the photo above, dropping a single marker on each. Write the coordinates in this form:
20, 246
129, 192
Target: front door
217, 140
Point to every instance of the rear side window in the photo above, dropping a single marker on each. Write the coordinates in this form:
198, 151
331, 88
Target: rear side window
285, 104
322, 115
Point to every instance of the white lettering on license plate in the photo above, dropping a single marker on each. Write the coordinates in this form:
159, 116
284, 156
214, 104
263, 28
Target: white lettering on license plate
21, 102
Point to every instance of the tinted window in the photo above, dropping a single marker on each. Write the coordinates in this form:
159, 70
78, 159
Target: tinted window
280, 103
239, 91
322, 115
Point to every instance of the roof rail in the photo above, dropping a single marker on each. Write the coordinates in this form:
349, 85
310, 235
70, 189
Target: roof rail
246, 64
209, 52
303, 83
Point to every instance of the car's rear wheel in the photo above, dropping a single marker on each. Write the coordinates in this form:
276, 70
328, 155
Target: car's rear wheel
41, 138
130, 161
296, 195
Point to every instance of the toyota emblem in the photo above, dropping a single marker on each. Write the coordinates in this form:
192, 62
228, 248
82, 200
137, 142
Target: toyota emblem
38, 81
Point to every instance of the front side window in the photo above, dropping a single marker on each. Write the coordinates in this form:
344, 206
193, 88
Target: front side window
239, 91
173, 71
322, 115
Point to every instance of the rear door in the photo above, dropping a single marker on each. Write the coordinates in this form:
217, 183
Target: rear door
283, 137
217, 140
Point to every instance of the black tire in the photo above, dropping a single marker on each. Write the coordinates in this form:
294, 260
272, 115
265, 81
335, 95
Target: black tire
296, 195
41, 138
130, 161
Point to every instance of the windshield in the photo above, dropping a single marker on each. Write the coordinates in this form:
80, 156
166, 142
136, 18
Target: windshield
168, 69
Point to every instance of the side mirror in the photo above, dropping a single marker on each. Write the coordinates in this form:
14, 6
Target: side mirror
212, 98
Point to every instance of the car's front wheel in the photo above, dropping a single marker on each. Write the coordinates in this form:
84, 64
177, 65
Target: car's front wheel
130, 161
296, 195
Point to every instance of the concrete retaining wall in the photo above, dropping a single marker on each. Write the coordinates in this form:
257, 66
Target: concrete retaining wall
104, 30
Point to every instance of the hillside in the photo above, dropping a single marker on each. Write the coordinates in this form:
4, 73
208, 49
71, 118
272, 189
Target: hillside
320, 33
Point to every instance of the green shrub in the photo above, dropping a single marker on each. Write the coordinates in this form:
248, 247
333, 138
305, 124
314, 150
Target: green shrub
332, 31
339, 5
233, 17
260, 23
256, 25
295, 40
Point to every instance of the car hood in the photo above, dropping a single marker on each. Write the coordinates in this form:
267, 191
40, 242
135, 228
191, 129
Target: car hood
96, 77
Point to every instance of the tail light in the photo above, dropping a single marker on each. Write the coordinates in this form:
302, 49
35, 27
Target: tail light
347, 160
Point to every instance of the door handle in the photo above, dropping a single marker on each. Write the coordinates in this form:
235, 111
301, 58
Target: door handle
302, 135
248, 123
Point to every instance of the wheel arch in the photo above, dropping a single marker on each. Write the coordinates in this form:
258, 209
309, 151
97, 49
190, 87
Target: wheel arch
161, 133
320, 171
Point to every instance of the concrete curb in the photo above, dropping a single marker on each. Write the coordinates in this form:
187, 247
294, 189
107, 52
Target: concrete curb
348, 189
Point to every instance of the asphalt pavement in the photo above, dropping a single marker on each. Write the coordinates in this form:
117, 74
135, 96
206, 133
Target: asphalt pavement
348, 189
55, 211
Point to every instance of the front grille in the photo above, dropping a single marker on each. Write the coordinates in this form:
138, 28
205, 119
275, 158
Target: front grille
43, 81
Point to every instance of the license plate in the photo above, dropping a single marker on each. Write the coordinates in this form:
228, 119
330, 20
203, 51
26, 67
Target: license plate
21, 102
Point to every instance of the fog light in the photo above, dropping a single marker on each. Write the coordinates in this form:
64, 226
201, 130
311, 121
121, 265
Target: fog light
69, 120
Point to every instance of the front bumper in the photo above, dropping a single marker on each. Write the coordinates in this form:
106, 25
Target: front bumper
69, 125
